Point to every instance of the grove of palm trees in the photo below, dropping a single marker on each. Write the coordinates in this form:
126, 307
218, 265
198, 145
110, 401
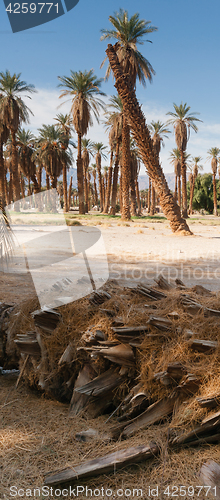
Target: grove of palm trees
109, 315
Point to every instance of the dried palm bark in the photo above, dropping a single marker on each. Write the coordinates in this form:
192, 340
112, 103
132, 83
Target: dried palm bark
136, 122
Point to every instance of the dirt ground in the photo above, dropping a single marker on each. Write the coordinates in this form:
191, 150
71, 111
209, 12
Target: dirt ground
37, 435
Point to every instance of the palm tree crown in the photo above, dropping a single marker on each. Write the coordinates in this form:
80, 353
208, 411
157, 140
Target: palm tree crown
182, 121
83, 88
159, 130
13, 110
128, 33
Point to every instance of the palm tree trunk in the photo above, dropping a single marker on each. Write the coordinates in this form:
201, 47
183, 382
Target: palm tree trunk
149, 197
98, 167
6, 187
10, 188
2, 178
152, 206
184, 189
86, 197
39, 174
179, 191
95, 191
65, 201
109, 185
16, 184
115, 180
191, 195
80, 176
215, 196
69, 193
47, 182
138, 196
126, 170
136, 120
103, 193
22, 185
175, 191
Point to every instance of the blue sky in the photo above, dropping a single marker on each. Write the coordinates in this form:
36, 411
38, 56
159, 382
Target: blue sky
184, 54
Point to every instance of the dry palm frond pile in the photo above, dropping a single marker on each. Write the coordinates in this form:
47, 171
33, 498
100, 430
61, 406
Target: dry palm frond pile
147, 354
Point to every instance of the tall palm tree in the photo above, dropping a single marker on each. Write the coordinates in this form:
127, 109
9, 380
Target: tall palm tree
129, 32
196, 160
136, 121
93, 167
175, 158
114, 122
25, 148
158, 131
99, 150
213, 155
83, 89
13, 111
64, 123
52, 155
87, 151
183, 121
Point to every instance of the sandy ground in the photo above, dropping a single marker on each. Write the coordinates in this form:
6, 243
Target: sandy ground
138, 250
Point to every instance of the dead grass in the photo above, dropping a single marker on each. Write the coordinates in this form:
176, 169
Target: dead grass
37, 434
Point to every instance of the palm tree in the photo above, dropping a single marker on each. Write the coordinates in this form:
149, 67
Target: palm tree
196, 160
13, 111
64, 123
183, 121
135, 168
87, 147
83, 88
94, 183
159, 131
213, 155
175, 158
99, 149
25, 148
51, 152
128, 33
136, 121
114, 122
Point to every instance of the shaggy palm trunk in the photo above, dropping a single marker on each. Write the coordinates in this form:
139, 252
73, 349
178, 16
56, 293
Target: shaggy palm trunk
10, 194
179, 191
47, 182
152, 206
136, 121
215, 196
65, 201
191, 195
126, 171
95, 191
120, 193
184, 189
80, 176
103, 193
138, 196
109, 185
115, 180
22, 185
6, 187
149, 197
2, 178
175, 190
16, 184
70, 192
98, 166
39, 174
86, 194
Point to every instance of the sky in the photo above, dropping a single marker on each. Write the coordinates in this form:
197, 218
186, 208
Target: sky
184, 54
